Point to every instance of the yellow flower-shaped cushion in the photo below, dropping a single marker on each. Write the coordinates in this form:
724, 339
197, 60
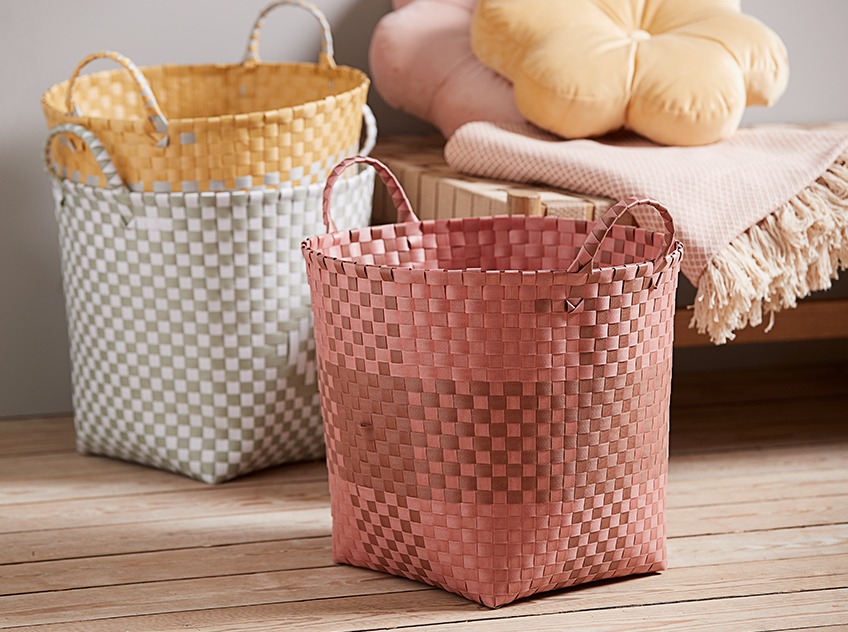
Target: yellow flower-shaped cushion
679, 72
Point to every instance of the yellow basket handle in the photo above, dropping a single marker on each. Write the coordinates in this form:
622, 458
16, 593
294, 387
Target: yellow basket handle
154, 112
326, 59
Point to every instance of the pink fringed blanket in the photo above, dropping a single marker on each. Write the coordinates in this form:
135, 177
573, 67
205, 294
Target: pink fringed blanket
763, 216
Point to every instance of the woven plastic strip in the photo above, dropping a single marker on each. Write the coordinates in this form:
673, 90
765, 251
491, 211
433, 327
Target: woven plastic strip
154, 112
585, 259
191, 328
393, 188
481, 435
242, 126
113, 180
327, 57
370, 122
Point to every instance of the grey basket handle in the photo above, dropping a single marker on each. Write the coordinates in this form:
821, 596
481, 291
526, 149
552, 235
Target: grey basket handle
113, 180
370, 131
326, 59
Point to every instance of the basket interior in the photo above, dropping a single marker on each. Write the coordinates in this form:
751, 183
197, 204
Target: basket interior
205, 91
488, 243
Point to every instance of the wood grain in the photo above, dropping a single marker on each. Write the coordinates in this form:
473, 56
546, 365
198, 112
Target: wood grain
269, 601
757, 518
166, 506
54, 477
298, 554
765, 384
435, 190
165, 535
823, 319
36, 436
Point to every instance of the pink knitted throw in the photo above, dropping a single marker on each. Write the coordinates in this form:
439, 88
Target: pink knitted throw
763, 216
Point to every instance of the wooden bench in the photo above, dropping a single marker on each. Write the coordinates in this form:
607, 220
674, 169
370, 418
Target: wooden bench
438, 191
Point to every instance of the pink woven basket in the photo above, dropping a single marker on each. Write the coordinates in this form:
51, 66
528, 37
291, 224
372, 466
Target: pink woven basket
495, 394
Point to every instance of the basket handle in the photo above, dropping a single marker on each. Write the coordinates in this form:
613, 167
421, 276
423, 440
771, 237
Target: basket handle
370, 131
396, 192
151, 105
326, 59
585, 260
113, 180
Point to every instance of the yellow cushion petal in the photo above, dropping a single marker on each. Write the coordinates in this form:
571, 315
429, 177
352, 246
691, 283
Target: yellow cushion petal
660, 16
552, 86
672, 105
758, 51
677, 71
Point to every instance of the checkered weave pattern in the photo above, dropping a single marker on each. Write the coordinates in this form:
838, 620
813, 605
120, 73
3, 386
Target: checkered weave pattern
496, 415
213, 127
718, 191
190, 321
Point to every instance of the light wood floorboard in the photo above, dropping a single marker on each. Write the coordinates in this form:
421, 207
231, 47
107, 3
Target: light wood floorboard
757, 519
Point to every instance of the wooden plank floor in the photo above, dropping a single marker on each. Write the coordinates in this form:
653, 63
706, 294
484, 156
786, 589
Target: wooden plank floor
758, 523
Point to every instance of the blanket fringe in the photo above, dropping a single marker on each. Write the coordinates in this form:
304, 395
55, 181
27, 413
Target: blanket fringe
798, 249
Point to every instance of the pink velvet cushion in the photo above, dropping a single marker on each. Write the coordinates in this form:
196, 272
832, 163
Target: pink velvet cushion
422, 63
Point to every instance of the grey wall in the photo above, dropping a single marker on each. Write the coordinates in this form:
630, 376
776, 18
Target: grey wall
41, 40
814, 34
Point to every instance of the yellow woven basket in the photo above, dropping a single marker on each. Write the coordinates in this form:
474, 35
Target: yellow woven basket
214, 127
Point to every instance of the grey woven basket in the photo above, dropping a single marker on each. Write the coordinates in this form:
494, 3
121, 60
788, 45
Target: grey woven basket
190, 320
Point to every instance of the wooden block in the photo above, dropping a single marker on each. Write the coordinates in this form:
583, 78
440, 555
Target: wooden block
430, 184
437, 191
524, 203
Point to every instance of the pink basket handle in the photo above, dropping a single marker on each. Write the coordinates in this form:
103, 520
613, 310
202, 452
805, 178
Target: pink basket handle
396, 192
585, 259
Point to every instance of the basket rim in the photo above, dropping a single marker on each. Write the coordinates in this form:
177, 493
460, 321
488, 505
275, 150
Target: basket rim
305, 191
60, 88
309, 248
